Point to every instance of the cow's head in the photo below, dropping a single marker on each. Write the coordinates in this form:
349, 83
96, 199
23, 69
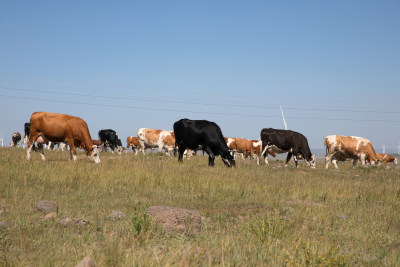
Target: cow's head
120, 149
228, 159
311, 162
93, 154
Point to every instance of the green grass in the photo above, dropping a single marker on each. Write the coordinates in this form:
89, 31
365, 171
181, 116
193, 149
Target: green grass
251, 215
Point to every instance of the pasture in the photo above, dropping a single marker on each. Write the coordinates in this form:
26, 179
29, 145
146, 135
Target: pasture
251, 215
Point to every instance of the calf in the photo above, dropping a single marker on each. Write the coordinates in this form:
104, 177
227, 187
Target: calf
132, 141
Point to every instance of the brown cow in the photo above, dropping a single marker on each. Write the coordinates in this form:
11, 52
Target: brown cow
134, 142
386, 158
348, 147
62, 128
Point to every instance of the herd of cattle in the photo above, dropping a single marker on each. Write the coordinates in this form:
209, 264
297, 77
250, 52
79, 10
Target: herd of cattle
189, 136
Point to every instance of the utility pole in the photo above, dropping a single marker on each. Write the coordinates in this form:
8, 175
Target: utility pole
283, 117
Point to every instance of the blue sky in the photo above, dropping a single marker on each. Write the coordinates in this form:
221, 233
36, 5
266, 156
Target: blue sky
334, 66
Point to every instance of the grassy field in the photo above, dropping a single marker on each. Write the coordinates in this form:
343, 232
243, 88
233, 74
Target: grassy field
251, 215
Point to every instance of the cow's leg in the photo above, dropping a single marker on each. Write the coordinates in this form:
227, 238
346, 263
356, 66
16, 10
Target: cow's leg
289, 156
328, 159
295, 160
142, 146
136, 150
72, 152
211, 156
127, 147
181, 150
32, 138
362, 159
40, 147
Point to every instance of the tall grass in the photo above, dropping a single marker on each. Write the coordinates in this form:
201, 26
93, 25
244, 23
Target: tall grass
251, 215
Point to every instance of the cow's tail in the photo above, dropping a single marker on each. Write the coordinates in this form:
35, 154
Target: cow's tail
326, 145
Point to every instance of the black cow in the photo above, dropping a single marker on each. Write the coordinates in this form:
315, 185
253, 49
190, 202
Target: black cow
195, 134
110, 137
27, 129
282, 141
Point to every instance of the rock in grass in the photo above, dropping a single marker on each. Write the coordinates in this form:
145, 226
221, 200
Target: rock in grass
50, 215
73, 222
116, 214
87, 262
46, 206
176, 220
3, 225
2, 209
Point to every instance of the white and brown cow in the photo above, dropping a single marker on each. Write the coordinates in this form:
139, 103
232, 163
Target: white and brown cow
348, 147
386, 158
151, 138
257, 144
16, 138
132, 141
56, 127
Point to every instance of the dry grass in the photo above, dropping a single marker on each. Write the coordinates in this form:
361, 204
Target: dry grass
252, 215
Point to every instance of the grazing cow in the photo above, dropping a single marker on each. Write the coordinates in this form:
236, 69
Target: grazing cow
27, 129
386, 158
257, 144
110, 137
193, 134
348, 147
282, 141
151, 138
16, 138
62, 128
240, 145
132, 141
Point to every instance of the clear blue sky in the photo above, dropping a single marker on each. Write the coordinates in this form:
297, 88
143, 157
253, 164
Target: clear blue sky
334, 66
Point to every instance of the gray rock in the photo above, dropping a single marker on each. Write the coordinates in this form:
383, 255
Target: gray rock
46, 206
176, 220
3, 225
87, 262
116, 214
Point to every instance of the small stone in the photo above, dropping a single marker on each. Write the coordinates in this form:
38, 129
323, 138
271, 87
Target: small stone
46, 206
116, 214
65, 222
80, 222
50, 215
3, 225
87, 262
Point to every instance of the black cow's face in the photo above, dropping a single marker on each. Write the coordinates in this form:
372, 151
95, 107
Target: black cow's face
228, 160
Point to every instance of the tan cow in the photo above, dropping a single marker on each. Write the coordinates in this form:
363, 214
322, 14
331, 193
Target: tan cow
134, 142
151, 138
348, 147
386, 158
62, 128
